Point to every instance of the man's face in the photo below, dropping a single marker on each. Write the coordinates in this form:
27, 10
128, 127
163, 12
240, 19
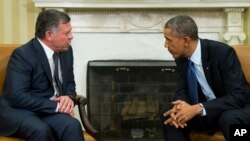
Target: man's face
61, 38
174, 43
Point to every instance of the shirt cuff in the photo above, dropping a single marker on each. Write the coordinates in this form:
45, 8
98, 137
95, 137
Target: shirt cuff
57, 107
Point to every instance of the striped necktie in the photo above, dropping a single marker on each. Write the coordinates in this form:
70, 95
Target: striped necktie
56, 73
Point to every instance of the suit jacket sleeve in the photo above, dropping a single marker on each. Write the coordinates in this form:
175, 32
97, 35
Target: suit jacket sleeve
227, 83
26, 85
68, 73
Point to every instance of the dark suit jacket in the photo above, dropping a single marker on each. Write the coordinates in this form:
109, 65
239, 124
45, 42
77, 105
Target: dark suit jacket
224, 75
28, 83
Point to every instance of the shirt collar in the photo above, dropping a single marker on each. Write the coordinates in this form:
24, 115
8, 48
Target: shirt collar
196, 56
48, 51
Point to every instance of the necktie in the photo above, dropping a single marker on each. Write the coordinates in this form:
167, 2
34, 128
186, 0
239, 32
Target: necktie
192, 83
56, 73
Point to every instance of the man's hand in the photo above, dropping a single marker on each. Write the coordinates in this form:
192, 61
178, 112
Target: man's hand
66, 104
186, 111
181, 113
172, 117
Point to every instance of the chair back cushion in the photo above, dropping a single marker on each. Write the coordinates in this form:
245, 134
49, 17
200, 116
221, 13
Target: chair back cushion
243, 53
5, 52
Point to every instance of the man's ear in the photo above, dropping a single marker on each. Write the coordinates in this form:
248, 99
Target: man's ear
49, 35
186, 41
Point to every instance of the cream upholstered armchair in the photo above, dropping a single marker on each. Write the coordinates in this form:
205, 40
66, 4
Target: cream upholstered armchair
90, 134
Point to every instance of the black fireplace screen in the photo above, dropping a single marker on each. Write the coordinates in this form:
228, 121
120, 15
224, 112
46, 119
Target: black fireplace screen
125, 97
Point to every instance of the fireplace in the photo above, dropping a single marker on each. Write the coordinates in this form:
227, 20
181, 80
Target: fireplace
125, 97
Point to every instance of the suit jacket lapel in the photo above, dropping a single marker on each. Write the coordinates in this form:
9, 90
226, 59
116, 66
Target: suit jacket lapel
42, 58
205, 62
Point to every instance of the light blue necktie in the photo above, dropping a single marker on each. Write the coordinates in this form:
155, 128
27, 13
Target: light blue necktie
192, 83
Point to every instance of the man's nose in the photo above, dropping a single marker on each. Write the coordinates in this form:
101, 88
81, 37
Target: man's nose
166, 44
71, 36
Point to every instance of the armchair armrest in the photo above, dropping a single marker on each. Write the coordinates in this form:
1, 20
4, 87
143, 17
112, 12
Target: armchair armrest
81, 101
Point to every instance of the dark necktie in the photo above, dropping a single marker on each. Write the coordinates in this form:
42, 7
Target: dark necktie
192, 83
56, 73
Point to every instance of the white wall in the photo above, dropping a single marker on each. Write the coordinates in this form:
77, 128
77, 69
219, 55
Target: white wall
127, 46
104, 46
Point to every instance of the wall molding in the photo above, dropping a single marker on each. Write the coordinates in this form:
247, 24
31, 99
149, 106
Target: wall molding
149, 16
138, 20
114, 4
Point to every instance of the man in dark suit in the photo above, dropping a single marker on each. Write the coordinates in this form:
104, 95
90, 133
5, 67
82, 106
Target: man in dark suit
40, 84
211, 88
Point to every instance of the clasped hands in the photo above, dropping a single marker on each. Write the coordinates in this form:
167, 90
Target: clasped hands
66, 105
181, 113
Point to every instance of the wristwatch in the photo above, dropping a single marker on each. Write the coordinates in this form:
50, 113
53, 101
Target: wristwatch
202, 109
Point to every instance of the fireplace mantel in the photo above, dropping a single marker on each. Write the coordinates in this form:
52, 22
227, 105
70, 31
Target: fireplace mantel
149, 16
142, 3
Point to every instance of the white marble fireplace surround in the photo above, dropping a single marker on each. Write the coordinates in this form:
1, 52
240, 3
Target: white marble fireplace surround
132, 29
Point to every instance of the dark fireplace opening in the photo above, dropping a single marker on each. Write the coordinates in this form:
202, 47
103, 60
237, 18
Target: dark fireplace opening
124, 97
